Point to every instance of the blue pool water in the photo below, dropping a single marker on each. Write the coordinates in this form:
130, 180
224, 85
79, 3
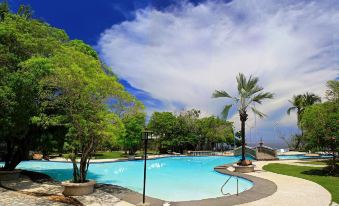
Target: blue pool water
171, 179
293, 157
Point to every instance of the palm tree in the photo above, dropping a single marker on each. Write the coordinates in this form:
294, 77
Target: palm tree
297, 102
332, 93
300, 102
249, 93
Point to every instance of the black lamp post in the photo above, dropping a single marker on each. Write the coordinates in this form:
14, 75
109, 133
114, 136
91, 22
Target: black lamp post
146, 134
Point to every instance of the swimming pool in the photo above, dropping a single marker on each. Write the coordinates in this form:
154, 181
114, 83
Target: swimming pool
170, 178
294, 157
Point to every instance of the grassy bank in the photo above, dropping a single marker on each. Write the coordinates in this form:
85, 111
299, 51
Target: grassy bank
313, 174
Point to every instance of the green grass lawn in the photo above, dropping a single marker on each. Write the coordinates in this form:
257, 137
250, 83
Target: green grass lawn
313, 174
109, 155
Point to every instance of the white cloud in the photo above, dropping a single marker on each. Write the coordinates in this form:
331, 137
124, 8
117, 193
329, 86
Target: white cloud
183, 53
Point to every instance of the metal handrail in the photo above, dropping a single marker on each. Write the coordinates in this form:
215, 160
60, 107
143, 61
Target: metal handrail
222, 187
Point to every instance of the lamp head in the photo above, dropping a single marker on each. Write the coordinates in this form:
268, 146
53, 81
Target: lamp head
147, 134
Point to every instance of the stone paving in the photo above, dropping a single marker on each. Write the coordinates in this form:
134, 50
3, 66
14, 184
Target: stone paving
26, 192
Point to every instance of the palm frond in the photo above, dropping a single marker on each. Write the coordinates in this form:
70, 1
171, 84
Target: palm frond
257, 112
241, 80
291, 109
251, 83
255, 89
225, 111
220, 93
310, 98
261, 96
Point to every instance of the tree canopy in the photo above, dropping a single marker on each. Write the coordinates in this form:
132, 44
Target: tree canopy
25, 48
51, 87
187, 131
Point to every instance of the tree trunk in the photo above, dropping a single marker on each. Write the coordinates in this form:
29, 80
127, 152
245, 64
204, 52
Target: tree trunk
8, 155
297, 145
83, 169
243, 118
302, 131
75, 171
14, 155
333, 148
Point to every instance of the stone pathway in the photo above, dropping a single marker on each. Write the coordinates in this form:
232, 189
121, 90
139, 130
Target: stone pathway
26, 192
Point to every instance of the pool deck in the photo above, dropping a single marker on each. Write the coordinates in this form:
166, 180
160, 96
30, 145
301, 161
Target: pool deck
270, 189
291, 190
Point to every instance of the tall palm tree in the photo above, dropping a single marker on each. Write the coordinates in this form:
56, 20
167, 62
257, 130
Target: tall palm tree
249, 93
297, 102
332, 92
300, 102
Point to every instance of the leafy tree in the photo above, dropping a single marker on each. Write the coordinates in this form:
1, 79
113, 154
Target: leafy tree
186, 131
321, 125
4, 9
25, 11
25, 48
249, 92
50, 83
300, 102
134, 124
185, 134
79, 89
214, 130
163, 125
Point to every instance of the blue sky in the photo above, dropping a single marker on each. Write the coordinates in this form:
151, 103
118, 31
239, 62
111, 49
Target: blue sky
172, 54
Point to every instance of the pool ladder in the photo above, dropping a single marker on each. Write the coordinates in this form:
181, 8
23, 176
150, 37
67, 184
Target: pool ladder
222, 187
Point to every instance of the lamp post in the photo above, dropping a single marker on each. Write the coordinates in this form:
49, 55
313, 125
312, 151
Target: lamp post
146, 134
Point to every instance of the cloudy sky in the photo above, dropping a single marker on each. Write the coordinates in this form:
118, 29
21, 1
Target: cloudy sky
173, 54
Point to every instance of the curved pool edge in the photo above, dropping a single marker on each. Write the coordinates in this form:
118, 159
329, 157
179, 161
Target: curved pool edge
261, 188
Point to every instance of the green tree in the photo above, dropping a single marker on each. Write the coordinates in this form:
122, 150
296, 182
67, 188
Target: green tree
249, 92
163, 124
25, 48
300, 102
321, 125
50, 83
4, 10
134, 125
214, 130
79, 89
185, 132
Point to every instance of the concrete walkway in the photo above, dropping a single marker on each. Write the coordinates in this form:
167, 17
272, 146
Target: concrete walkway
292, 191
